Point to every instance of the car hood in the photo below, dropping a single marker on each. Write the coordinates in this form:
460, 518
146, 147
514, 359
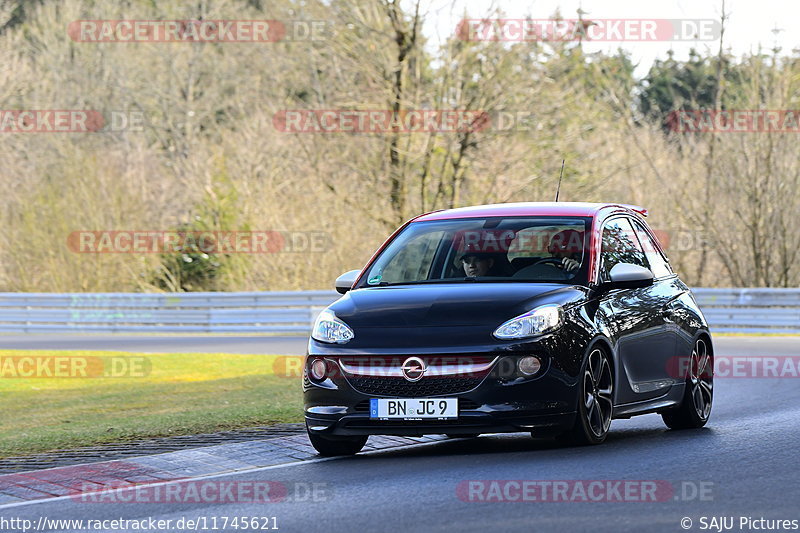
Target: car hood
440, 305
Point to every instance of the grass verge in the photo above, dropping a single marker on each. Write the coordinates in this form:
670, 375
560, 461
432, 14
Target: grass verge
156, 395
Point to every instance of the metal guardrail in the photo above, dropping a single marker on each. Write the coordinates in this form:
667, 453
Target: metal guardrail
750, 310
733, 310
208, 312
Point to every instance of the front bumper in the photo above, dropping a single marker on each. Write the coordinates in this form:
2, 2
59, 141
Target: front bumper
467, 424
496, 402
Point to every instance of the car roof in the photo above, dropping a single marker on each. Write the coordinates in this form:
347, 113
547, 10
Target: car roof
548, 209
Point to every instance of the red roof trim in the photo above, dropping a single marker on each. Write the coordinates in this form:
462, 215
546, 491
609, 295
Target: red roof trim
575, 209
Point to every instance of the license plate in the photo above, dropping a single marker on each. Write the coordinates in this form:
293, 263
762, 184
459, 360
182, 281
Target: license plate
413, 408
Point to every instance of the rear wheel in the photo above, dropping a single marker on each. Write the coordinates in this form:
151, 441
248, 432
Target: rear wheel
333, 446
695, 407
596, 402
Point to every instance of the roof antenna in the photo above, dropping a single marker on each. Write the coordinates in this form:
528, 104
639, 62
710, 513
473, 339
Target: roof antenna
558, 190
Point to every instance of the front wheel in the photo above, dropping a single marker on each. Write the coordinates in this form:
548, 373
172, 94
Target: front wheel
695, 407
331, 447
596, 402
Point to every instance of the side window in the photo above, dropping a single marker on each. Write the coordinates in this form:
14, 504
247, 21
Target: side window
620, 245
658, 264
413, 262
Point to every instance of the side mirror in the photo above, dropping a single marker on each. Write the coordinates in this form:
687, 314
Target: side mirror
346, 280
628, 276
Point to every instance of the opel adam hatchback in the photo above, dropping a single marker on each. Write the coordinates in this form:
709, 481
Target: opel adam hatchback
548, 318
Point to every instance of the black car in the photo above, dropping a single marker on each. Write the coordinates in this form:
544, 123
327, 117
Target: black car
548, 318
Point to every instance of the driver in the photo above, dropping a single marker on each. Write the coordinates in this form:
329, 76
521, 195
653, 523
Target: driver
476, 264
567, 246
482, 253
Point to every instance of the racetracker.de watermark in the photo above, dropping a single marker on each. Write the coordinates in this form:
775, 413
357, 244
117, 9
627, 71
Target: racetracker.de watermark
73, 366
69, 121
379, 120
208, 242
735, 121
738, 366
293, 366
208, 491
583, 490
198, 31
602, 30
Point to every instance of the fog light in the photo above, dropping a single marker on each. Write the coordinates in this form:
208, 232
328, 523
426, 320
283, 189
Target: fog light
318, 369
529, 365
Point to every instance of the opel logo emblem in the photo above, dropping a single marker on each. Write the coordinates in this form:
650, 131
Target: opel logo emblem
413, 368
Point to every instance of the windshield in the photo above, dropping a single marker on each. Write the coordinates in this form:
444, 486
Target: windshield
493, 249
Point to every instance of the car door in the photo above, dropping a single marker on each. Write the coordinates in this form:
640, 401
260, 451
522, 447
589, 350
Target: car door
637, 318
673, 294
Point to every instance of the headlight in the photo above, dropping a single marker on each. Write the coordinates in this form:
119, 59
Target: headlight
328, 328
535, 322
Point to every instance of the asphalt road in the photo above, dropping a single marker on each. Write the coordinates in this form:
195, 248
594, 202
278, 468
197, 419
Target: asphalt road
743, 464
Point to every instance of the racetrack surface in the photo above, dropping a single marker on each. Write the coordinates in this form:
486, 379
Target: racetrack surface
745, 460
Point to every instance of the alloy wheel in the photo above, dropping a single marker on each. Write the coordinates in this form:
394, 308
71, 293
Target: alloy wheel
598, 393
701, 379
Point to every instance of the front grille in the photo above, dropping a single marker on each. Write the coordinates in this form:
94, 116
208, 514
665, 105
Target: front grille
390, 386
430, 360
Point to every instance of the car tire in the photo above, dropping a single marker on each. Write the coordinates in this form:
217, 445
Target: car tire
698, 395
333, 447
595, 402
